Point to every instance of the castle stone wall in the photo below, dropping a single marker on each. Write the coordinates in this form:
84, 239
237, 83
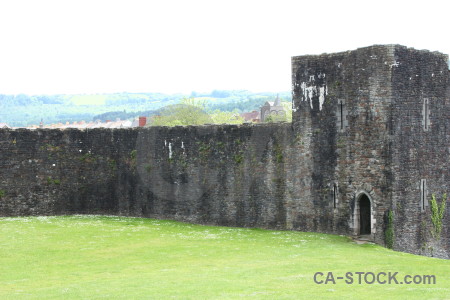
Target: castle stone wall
361, 131
229, 175
342, 101
365, 112
47, 172
420, 153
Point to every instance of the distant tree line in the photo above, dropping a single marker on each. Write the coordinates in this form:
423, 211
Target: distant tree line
122, 115
24, 110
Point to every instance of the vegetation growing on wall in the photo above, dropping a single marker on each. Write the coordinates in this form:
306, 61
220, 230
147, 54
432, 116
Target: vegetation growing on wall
437, 214
87, 157
132, 159
51, 180
278, 153
112, 164
389, 233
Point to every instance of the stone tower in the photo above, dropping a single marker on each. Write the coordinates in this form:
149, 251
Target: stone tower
376, 121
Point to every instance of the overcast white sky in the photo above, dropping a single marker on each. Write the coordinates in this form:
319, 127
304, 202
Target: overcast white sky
173, 46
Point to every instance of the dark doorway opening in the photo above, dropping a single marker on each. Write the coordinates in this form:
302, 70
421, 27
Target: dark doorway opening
364, 215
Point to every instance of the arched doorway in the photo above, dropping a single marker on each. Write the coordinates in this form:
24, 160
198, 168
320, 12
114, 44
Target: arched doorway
364, 215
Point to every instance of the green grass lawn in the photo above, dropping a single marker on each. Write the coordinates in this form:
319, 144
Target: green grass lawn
94, 257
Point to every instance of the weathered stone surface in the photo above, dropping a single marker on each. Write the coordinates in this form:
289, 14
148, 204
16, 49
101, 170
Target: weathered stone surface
360, 129
364, 112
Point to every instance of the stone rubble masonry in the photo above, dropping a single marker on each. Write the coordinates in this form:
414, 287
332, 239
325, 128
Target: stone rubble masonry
358, 130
